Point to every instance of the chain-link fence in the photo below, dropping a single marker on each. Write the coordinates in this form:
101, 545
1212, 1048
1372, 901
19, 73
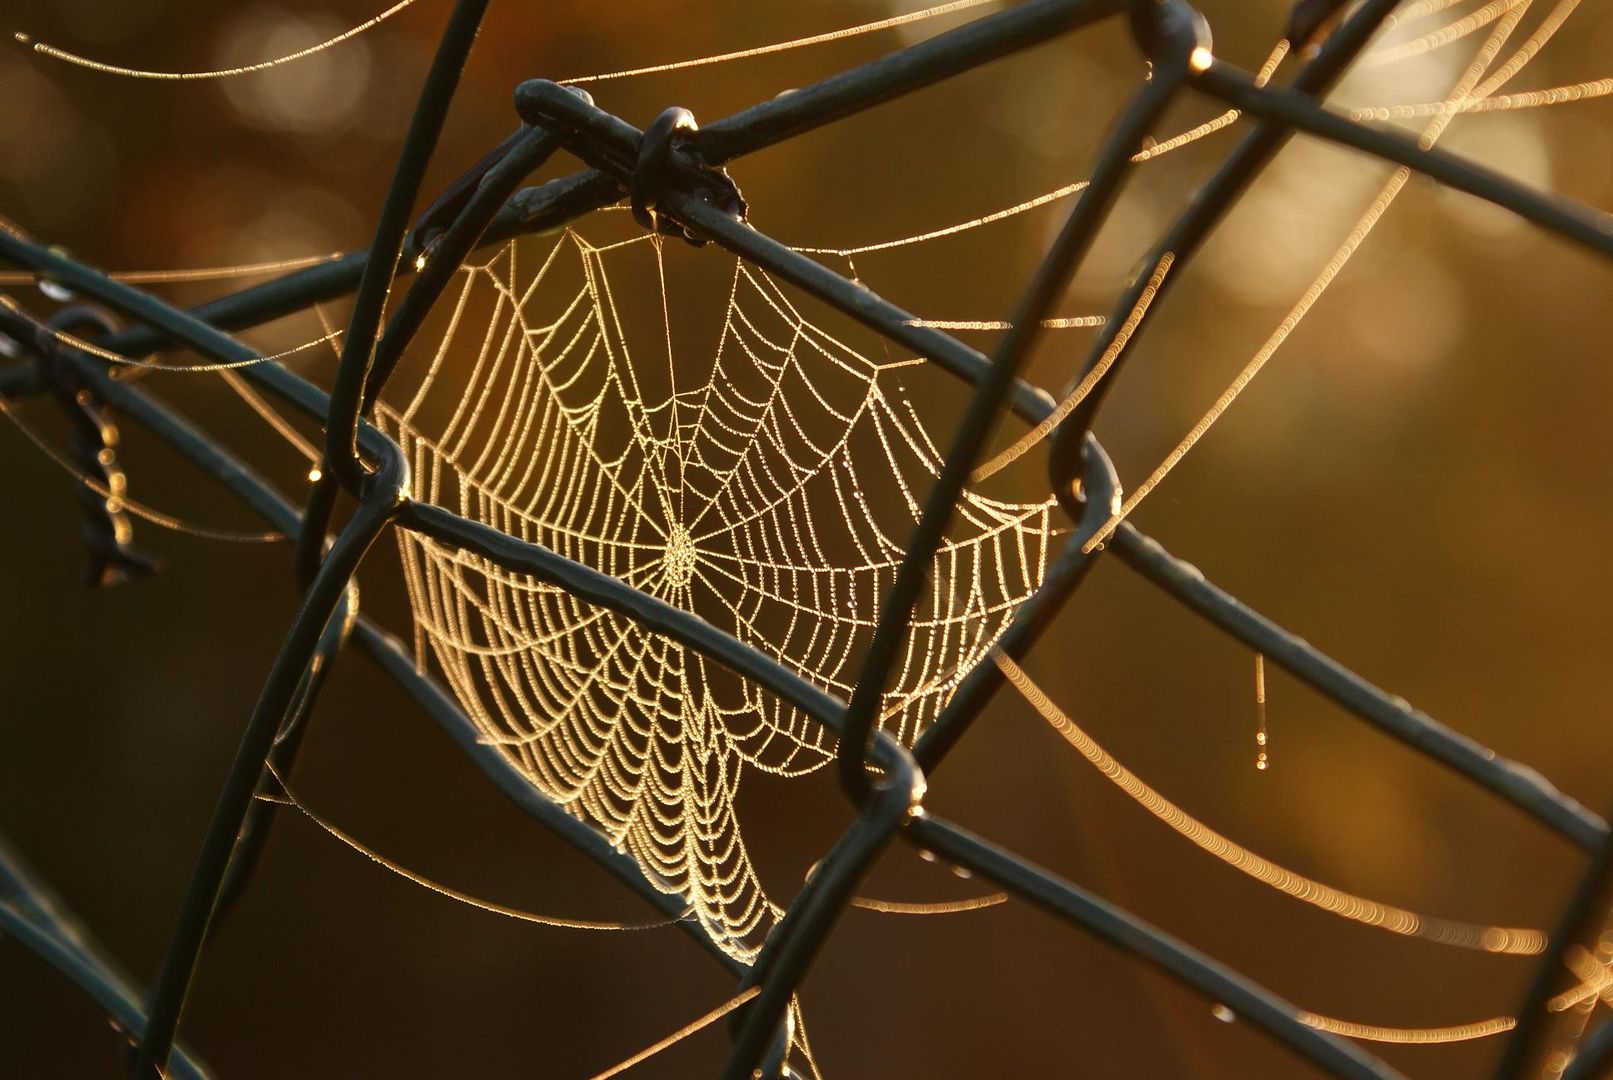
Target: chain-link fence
672, 175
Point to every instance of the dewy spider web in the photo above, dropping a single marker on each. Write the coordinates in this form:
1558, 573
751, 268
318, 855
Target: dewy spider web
734, 489
621, 755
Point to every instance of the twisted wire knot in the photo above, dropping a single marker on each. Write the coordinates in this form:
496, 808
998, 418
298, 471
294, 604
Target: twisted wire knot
670, 133
93, 437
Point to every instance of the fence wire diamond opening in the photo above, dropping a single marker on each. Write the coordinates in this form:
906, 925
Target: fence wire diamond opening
641, 574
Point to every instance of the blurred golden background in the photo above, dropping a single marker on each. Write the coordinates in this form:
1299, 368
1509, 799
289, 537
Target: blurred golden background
1415, 483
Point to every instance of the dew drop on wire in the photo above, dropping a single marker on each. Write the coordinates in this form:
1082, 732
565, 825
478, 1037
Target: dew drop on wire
55, 290
1262, 759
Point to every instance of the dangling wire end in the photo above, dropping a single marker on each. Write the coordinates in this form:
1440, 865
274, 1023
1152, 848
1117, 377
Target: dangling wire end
435, 218
1311, 21
1172, 35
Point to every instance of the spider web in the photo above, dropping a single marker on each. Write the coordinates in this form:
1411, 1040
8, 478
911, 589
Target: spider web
740, 493
744, 493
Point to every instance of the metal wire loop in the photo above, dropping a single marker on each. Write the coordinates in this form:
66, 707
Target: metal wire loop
654, 150
671, 132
